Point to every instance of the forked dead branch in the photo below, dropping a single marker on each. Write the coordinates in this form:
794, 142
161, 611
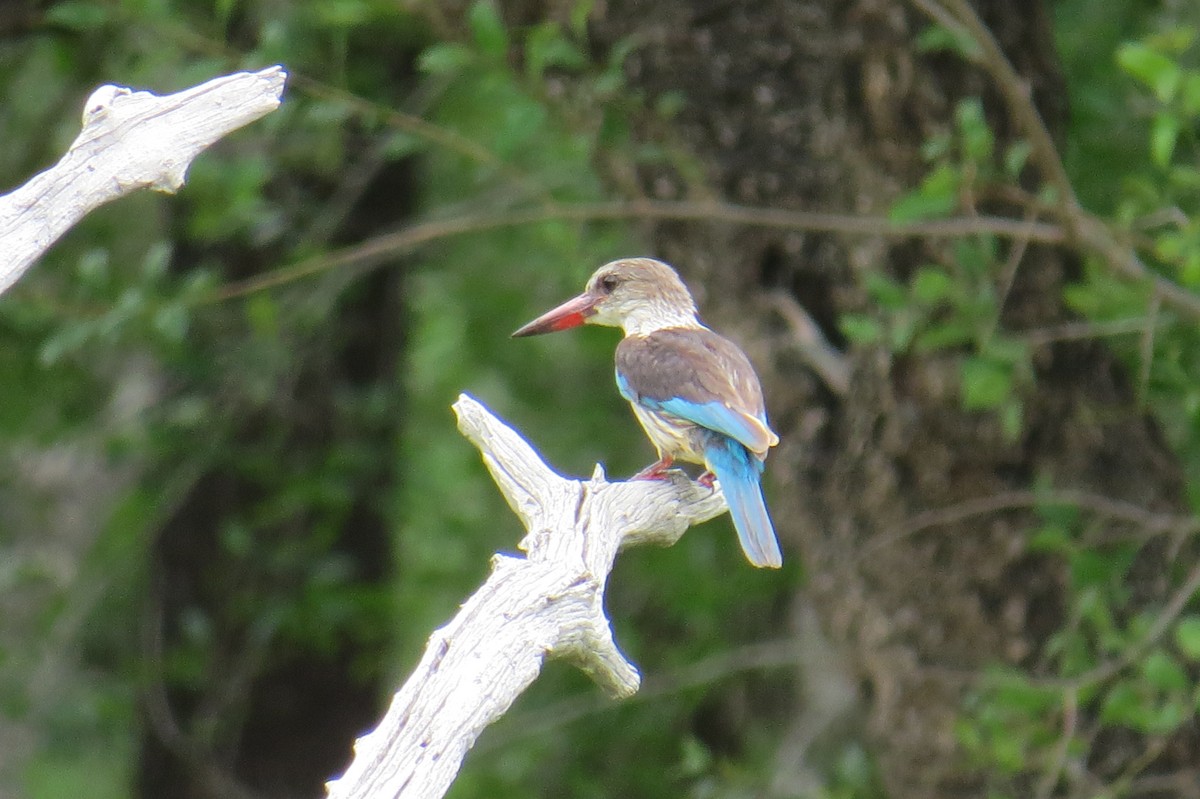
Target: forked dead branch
547, 603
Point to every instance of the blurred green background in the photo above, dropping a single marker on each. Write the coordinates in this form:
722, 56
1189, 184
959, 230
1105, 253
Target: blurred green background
230, 524
233, 510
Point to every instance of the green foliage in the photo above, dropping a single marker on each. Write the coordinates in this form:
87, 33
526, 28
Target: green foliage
956, 309
1119, 664
956, 305
1156, 63
487, 121
123, 352
1109, 669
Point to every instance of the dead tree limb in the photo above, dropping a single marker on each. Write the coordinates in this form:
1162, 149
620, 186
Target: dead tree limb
130, 140
547, 603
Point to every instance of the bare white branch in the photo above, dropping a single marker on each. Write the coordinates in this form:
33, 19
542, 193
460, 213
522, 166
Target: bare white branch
130, 140
549, 603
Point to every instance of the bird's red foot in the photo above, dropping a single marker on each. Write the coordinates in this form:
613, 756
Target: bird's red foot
706, 479
655, 471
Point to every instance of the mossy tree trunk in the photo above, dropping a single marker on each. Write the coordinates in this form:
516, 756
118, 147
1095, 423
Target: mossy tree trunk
824, 105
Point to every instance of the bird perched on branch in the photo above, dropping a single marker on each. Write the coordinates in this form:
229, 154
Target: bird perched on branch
694, 392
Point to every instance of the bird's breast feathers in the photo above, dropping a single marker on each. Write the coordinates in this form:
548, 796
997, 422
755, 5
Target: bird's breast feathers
671, 435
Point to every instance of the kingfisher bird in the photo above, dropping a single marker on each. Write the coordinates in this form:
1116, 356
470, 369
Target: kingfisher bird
693, 391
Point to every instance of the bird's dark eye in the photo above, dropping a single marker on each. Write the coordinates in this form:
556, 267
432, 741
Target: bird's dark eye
608, 283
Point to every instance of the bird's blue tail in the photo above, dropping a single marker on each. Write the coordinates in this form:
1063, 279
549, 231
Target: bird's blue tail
739, 472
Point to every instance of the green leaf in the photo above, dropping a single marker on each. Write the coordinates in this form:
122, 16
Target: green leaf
65, 342
936, 196
1164, 132
986, 384
262, 312
545, 47
1130, 705
1174, 40
342, 13
1171, 246
1186, 178
977, 255
932, 285
1151, 67
668, 104
93, 269
1009, 753
1189, 270
1014, 691
917, 206
977, 140
1187, 637
885, 291
1012, 420
401, 144
444, 58
1015, 157
1093, 569
488, 29
861, 329
1190, 94
223, 10
936, 38
901, 332
172, 321
1008, 350
1051, 537
1123, 705
953, 332
1161, 671
78, 16
580, 11
522, 120
1165, 716
695, 759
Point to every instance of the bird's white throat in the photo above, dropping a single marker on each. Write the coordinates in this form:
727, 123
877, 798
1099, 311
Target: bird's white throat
649, 317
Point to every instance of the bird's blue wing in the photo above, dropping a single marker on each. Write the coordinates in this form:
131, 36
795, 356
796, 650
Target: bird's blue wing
711, 415
748, 430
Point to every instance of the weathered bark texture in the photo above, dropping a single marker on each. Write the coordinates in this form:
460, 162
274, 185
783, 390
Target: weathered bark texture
130, 140
822, 105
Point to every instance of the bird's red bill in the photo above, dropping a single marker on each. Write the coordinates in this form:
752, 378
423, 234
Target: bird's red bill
572, 313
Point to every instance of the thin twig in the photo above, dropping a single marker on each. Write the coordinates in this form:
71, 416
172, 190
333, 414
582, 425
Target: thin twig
164, 724
753, 657
1016, 91
1182, 784
1155, 746
1091, 233
1009, 275
1098, 237
826, 360
1062, 749
1146, 350
408, 239
1128, 512
1178, 601
1083, 331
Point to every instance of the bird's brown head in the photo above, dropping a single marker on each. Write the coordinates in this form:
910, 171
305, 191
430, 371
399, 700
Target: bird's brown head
637, 294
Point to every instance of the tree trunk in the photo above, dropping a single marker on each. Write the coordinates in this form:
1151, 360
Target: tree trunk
823, 105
